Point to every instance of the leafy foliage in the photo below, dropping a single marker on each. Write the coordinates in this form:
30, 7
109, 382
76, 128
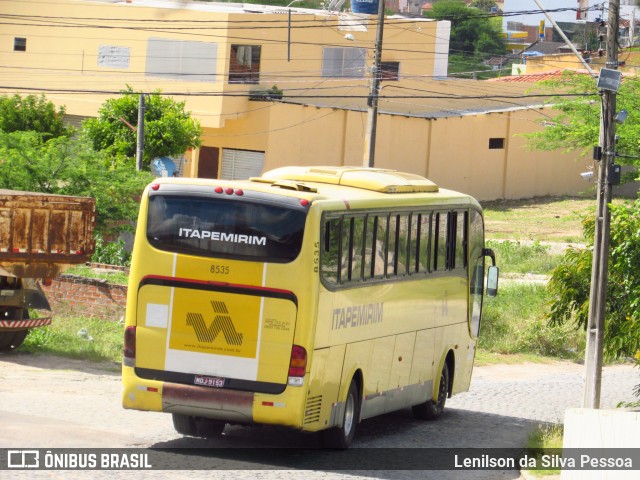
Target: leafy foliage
570, 282
69, 166
471, 31
577, 124
111, 253
577, 127
514, 322
484, 5
518, 257
32, 113
168, 129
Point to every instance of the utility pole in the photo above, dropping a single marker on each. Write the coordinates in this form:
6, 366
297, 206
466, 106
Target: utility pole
372, 101
140, 138
598, 292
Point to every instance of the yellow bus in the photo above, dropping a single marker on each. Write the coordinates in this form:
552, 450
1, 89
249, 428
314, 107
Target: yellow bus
310, 297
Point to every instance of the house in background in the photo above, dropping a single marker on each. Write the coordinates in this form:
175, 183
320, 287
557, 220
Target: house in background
277, 86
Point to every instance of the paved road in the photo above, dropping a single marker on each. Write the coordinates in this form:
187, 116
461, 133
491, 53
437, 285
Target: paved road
47, 402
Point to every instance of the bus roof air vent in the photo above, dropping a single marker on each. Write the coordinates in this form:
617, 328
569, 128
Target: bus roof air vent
375, 179
292, 185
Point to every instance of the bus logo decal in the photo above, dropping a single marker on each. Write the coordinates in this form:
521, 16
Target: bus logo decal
357, 315
221, 323
222, 236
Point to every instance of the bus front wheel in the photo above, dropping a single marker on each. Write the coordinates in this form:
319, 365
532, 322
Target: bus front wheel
341, 437
432, 410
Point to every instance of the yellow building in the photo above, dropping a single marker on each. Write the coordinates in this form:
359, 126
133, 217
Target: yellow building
223, 60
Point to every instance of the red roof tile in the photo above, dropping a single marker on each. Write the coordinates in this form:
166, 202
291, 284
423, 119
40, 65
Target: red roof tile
536, 77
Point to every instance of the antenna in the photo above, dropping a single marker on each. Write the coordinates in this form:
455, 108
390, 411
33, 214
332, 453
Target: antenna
335, 5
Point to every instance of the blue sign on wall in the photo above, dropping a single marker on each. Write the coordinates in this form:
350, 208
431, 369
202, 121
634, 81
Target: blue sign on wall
364, 6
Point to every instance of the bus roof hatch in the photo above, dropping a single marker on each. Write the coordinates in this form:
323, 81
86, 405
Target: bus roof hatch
375, 179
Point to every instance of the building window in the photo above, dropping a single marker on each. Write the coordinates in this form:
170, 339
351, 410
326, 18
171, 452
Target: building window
496, 143
241, 164
19, 44
344, 62
389, 71
244, 64
181, 60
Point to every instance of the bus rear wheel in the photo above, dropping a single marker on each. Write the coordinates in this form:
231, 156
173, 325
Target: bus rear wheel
341, 437
197, 426
432, 410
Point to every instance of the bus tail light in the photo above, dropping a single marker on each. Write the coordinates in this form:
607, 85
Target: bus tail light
130, 346
297, 366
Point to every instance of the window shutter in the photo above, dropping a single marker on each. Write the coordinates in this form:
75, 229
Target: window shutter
241, 164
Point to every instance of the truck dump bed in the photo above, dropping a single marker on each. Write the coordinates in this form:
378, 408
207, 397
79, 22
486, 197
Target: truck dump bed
43, 234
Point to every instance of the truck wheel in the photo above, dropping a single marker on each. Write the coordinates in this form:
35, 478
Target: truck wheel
341, 437
12, 340
6, 338
432, 410
18, 338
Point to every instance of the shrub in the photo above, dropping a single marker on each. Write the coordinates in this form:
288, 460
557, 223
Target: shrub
111, 253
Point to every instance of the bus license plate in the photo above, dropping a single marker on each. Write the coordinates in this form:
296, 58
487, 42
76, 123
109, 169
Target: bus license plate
215, 382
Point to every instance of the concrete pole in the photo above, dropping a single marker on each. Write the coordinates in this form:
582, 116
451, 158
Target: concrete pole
372, 102
140, 138
599, 270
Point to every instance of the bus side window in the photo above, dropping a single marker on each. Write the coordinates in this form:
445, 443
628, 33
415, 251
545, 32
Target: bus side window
476, 245
458, 240
425, 242
332, 247
401, 263
370, 260
346, 250
440, 230
356, 248
381, 247
413, 255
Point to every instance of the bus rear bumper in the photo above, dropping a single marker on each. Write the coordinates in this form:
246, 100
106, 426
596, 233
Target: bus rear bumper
229, 405
233, 406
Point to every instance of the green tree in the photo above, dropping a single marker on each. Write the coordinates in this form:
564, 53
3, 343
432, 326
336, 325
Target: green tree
472, 32
32, 113
570, 282
168, 129
484, 5
69, 166
576, 127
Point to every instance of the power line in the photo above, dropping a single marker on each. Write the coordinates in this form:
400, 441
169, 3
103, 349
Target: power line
236, 94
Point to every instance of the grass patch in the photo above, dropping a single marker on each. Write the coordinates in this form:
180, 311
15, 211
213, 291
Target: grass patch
116, 277
64, 337
485, 357
546, 439
553, 219
515, 322
518, 257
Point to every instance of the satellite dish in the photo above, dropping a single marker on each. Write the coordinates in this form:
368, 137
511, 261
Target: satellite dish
163, 167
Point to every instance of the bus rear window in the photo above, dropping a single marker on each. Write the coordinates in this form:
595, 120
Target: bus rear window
237, 229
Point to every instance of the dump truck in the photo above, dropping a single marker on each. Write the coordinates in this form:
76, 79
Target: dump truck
41, 235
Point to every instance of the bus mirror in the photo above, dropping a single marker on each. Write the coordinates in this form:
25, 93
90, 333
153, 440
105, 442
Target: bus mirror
492, 281
487, 252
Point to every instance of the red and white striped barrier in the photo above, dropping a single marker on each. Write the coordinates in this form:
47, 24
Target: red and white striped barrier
35, 322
